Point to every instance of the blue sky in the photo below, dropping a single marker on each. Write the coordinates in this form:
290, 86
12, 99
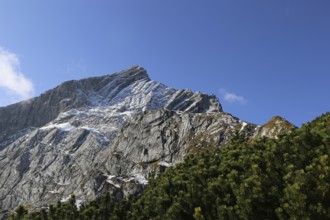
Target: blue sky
261, 58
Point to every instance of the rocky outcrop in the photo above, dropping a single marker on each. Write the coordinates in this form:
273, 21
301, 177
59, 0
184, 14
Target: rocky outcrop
105, 133
273, 127
166, 137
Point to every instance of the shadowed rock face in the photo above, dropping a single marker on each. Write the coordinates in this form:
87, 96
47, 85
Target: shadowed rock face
103, 133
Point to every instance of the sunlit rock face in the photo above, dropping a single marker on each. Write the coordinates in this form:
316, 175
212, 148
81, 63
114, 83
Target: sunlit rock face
106, 133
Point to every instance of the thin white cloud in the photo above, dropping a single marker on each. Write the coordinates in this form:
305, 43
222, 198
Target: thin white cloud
232, 97
11, 79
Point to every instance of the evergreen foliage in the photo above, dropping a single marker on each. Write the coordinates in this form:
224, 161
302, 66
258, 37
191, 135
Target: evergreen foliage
283, 178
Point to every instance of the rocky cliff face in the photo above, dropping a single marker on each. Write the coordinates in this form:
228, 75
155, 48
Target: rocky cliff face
104, 133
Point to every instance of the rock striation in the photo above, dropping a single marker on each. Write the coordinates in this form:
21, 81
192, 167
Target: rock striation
106, 133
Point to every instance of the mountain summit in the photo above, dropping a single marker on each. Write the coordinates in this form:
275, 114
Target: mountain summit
129, 90
106, 133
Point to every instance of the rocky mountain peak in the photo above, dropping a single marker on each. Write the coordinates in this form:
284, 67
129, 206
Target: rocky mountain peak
136, 72
99, 87
130, 91
106, 133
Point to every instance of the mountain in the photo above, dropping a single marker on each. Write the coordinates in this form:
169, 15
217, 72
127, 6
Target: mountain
106, 133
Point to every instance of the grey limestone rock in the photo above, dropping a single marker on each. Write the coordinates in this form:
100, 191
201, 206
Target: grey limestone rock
106, 133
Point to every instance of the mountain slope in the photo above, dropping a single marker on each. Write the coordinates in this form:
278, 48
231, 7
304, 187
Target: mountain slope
103, 133
270, 178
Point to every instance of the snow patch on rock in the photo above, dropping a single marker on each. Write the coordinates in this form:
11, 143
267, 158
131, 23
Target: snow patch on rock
63, 126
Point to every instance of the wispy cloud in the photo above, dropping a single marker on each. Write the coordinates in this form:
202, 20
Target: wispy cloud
232, 97
11, 79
